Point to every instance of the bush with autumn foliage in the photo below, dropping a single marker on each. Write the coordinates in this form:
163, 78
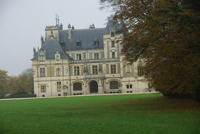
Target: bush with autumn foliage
166, 34
16, 85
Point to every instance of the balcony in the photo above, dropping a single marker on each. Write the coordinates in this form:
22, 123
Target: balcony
94, 60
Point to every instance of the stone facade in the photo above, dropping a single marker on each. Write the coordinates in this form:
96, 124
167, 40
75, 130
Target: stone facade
84, 61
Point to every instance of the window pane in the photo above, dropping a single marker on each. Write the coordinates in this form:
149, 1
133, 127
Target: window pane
40, 72
77, 86
78, 57
94, 69
112, 34
59, 86
113, 85
130, 86
127, 86
96, 43
43, 72
113, 69
113, 44
58, 71
96, 55
76, 70
113, 54
43, 88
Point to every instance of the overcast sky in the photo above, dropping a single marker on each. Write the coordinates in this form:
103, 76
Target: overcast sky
23, 22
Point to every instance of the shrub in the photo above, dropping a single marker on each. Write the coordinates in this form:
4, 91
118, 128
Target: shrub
2, 96
22, 95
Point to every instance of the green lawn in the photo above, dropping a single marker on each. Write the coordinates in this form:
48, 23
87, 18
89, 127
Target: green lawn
109, 114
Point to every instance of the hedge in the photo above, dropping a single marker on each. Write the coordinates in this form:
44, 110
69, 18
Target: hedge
21, 95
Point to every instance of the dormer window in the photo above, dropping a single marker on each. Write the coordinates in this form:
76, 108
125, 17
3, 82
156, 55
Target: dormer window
112, 34
41, 58
57, 58
78, 43
96, 42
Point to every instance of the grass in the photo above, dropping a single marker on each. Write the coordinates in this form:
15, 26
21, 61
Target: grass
113, 114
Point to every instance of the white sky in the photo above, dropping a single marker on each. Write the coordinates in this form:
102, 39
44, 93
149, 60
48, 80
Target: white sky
23, 22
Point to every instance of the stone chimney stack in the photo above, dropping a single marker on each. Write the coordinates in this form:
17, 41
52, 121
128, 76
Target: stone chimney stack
92, 26
69, 31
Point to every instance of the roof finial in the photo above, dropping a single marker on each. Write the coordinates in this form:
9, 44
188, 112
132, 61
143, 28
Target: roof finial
69, 26
57, 48
34, 51
56, 19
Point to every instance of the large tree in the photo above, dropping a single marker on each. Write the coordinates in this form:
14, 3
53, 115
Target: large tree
3, 82
165, 34
21, 84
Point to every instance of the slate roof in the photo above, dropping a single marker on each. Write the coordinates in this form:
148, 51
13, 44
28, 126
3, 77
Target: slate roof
86, 36
51, 46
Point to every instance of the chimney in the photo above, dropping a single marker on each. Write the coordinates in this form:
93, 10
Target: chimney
69, 31
51, 36
34, 51
92, 26
42, 40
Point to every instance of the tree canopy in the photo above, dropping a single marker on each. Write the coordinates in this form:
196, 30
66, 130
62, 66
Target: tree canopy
165, 34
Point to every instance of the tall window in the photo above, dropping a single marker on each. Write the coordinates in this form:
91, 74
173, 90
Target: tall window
57, 58
77, 86
94, 69
42, 72
112, 34
76, 70
113, 44
41, 58
43, 89
96, 55
114, 85
78, 56
113, 54
113, 69
58, 71
140, 70
58, 86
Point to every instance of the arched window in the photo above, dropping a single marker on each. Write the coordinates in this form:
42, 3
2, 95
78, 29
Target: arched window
140, 70
114, 85
77, 86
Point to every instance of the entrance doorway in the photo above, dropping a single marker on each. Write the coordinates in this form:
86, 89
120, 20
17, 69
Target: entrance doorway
93, 87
